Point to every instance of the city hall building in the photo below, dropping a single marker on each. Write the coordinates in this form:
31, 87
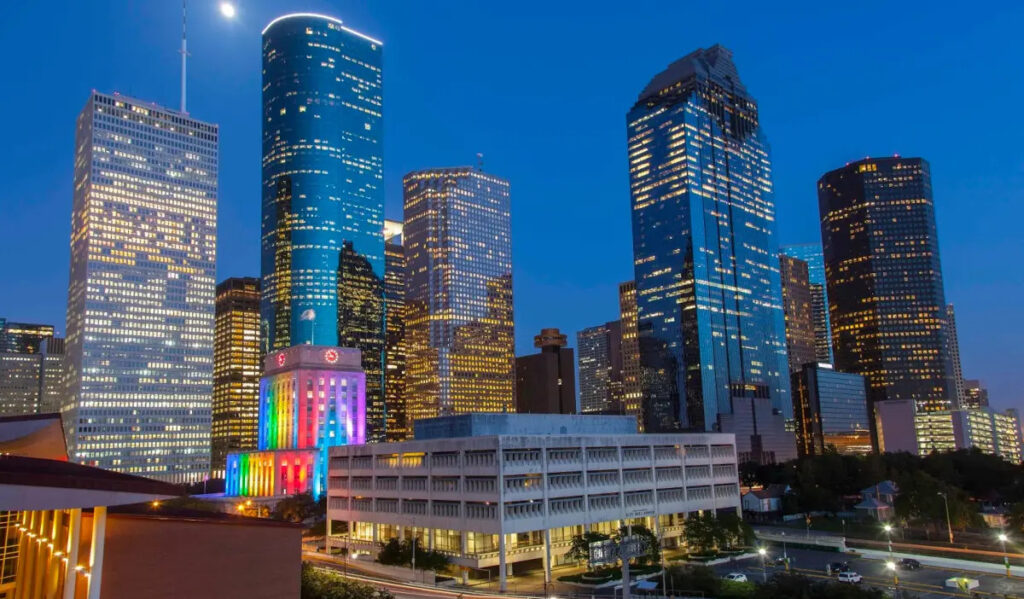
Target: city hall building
494, 490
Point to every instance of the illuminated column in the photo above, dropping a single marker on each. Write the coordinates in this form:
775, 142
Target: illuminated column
74, 536
24, 520
99, 531
53, 560
41, 555
502, 585
462, 552
547, 556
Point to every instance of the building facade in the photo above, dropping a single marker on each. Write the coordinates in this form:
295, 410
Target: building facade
797, 305
902, 427
312, 398
323, 263
709, 301
394, 356
975, 394
632, 391
599, 356
32, 368
23, 337
811, 254
458, 310
546, 381
831, 411
497, 498
884, 277
236, 369
140, 312
954, 357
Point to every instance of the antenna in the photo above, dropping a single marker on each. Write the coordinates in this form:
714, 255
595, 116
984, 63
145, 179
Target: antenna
479, 161
184, 56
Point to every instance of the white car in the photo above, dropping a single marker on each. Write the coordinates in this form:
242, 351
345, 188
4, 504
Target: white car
850, 577
736, 577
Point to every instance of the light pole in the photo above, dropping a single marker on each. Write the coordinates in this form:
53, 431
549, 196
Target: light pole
1006, 558
764, 566
785, 556
891, 565
949, 523
888, 532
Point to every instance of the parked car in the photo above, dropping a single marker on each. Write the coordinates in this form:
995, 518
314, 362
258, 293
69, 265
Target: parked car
836, 568
736, 577
908, 564
850, 577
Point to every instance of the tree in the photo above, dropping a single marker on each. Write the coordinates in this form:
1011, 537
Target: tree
579, 550
703, 532
1015, 518
296, 508
653, 545
399, 553
699, 579
737, 531
321, 584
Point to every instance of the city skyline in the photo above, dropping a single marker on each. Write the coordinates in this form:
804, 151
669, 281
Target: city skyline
982, 342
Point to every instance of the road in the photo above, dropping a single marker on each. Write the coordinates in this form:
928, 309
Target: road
926, 583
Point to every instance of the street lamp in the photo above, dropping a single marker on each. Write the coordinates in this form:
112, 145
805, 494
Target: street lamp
949, 523
891, 565
764, 567
888, 532
1006, 558
785, 556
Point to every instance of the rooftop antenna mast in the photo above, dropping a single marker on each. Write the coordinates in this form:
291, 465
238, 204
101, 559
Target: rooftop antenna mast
479, 161
184, 56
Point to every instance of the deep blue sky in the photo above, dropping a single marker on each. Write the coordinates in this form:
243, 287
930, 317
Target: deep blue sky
542, 89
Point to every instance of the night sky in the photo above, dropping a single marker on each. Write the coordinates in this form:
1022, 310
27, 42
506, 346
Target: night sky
542, 90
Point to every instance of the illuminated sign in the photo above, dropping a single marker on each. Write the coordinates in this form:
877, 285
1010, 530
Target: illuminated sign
331, 355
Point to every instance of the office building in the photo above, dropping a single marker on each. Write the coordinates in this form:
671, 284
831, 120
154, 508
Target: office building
599, 356
31, 369
458, 311
546, 381
831, 411
632, 391
884, 276
323, 196
311, 398
492, 491
140, 311
954, 357
236, 369
709, 297
23, 337
798, 309
975, 395
394, 354
902, 427
811, 254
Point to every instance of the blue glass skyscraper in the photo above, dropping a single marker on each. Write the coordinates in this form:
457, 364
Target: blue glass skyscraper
709, 299
323, 199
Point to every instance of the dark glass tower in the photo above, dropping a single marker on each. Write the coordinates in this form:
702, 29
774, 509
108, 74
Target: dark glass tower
708, 293
811, 254
885, 292
394, 353
797, 306
323, 208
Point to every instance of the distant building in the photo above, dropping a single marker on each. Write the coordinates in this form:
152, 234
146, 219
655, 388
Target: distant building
394, 346
140, 314
798, 310
599, 355
877, 501
884, 276
954, 357
901, 428
811, 254
831, 410
760, 502
762, 433
31, 369
975, 395
23, 337
460, 352
632, 391
710, 322
236, 369
546, 382
297, 428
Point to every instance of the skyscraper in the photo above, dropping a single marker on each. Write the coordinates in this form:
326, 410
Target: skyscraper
975, 395
811, 254
546, 381
323, 199
394, 355
31, 369
599, 355
831, 410
885, 280
141, 292
798, 309
954, 355
458, 319
236, 369
23, 337
632, 392
708, 292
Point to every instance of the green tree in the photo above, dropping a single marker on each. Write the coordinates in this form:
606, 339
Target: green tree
703, 532
653, 545
579, 549
317, 583
399, 553
295, 508
737, 531
694, 580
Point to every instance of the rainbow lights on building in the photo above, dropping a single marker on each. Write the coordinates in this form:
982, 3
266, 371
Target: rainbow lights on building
311, 398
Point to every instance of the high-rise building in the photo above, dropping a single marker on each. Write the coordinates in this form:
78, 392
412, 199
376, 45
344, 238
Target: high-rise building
546, 382
394, 355
831, 410
236, 369
954, 355
23, 337
458, 297
885, 280
709, 300
798, 309
811, 254
323, 198
632, 392
599, 355
141, 293
975, 394
902, 427
31, 369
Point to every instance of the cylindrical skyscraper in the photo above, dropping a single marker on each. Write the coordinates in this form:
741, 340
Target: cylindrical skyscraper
323, 197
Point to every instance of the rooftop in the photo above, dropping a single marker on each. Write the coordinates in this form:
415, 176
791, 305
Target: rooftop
483, 424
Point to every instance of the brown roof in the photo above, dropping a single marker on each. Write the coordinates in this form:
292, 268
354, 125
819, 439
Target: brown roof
36, 472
